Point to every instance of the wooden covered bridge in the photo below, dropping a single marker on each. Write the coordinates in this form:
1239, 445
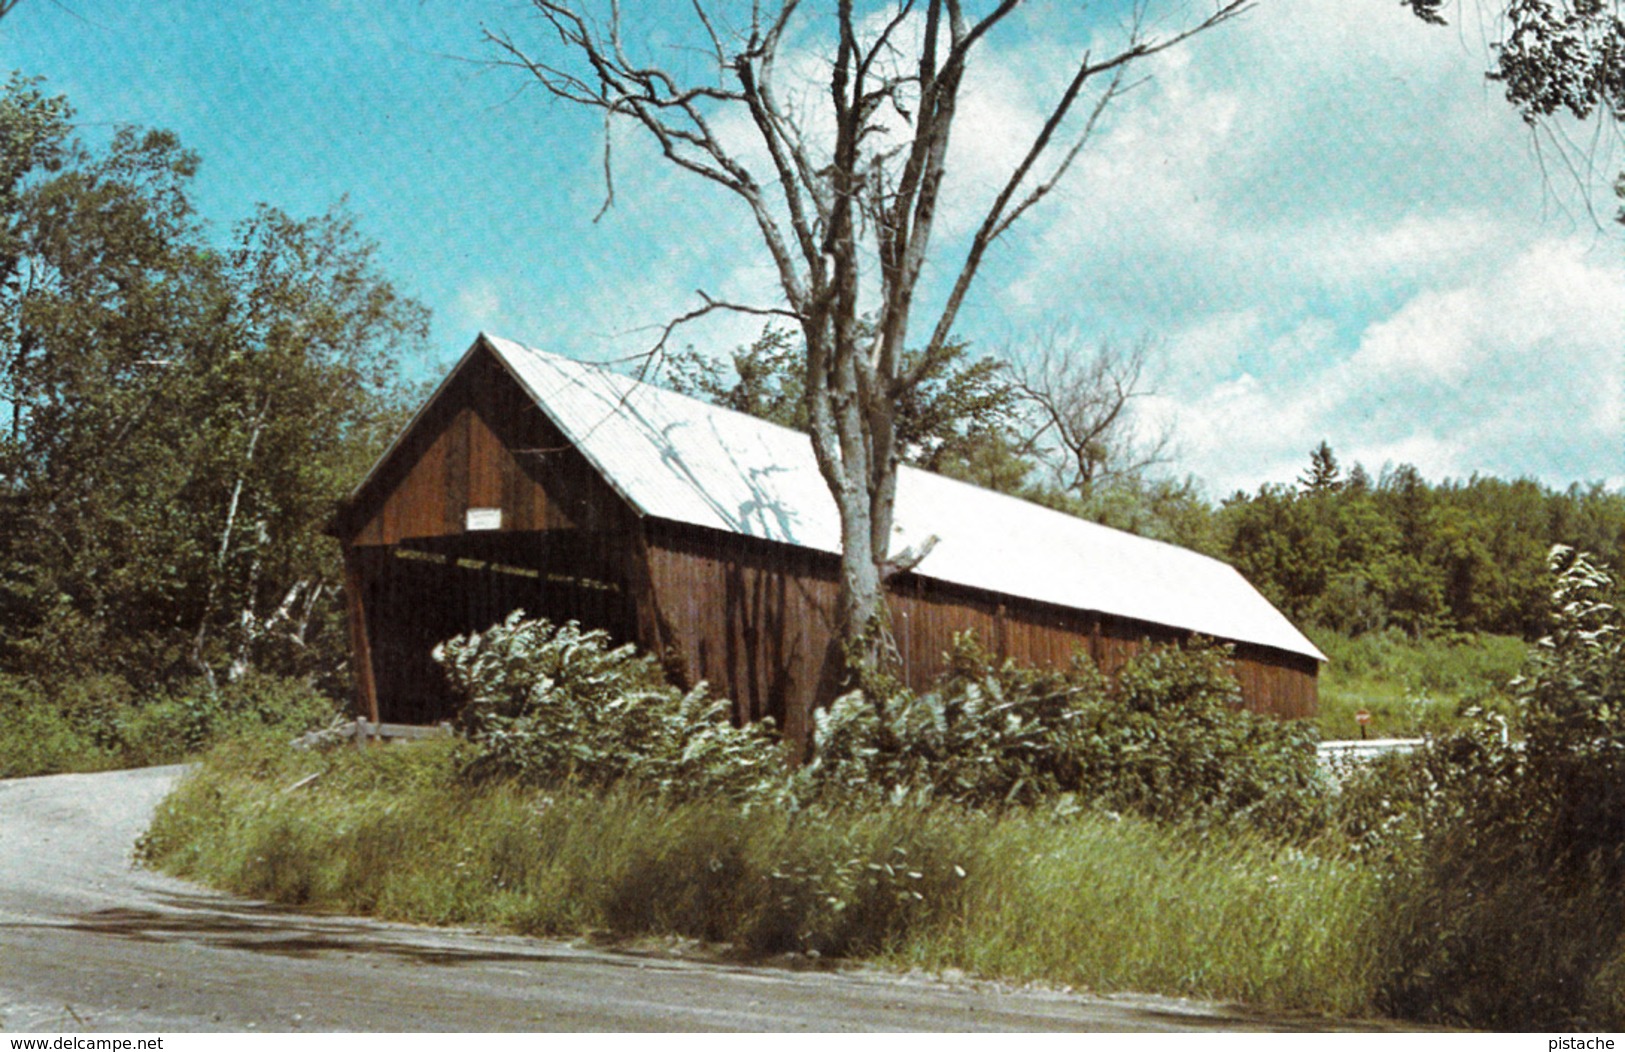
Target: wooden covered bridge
708, 537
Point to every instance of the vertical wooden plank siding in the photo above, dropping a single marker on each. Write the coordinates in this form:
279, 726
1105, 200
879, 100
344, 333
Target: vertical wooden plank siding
484, 444
417, 575
924, 624
752, 619
366, 690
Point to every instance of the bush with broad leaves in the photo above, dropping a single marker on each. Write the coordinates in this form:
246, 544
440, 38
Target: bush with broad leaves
1168, 740
554, 704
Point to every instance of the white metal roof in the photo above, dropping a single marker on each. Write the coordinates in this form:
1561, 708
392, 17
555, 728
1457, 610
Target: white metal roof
677, 458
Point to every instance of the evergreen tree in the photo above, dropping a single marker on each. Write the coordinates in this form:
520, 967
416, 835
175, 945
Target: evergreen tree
1324, 474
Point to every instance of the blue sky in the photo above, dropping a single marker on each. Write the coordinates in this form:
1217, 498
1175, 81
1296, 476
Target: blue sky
1326, 221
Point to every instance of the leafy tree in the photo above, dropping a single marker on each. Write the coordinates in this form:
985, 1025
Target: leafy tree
1163, 509
1556, 57
181, 415
91, 319
1402, 552
33, 137
843, 171
1324, 474
766, 380
1415, 599
1589, 519
990, 457
1280, 546
301, 396
958, 410
1563, 55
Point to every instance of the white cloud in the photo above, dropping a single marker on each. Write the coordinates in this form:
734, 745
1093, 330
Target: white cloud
1516, 370
476, 304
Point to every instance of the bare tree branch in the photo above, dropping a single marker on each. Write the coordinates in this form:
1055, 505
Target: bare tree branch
1079, 406
993, 223
708, 306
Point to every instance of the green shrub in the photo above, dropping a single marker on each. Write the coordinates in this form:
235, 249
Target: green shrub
66, 726
1173, 743
98, 722
989, 734
278, 705
37, 737
1167, 740
1506, 910
171, 729
555, 705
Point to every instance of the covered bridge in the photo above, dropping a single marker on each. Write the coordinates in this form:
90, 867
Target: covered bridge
708, 537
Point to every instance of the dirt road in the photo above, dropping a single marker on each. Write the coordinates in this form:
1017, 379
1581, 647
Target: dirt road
88, 943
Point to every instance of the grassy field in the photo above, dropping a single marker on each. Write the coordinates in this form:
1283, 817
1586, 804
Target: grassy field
1089, 901
1412, 687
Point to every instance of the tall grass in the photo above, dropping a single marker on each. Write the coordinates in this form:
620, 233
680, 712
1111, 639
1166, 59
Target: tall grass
1115, 905
1086, 900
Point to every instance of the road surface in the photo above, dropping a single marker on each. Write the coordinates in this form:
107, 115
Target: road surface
89, 943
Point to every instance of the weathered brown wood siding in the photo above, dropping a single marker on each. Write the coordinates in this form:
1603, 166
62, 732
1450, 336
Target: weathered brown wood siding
751, 617
482, 444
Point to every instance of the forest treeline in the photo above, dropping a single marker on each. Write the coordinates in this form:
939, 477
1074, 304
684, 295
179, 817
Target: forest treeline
1356, 553
1353, 553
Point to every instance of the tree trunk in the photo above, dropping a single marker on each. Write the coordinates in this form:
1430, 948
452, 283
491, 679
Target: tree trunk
813, 208
841, 442
233, 504
854, 645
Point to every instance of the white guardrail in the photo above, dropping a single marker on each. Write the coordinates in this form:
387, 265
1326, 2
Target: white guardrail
1357, 749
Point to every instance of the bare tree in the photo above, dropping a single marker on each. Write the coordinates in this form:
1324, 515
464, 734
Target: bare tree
1080, 410
844, 183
